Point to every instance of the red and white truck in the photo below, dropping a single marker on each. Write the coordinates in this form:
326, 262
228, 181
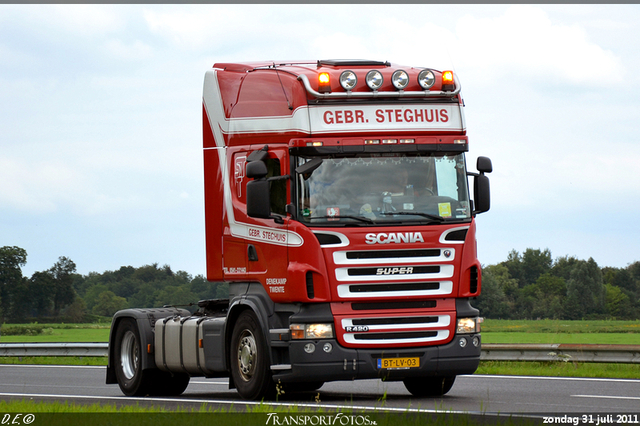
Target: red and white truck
338, 210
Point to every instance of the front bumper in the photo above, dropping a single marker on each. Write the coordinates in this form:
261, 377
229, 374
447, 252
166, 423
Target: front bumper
342, 363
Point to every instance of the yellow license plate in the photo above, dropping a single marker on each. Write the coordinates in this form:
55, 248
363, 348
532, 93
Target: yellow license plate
391, 363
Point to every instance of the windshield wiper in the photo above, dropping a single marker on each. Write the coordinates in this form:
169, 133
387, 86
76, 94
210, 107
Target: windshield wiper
427, 215
362, 219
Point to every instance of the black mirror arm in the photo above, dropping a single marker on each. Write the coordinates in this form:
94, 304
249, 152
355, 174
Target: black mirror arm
275, 178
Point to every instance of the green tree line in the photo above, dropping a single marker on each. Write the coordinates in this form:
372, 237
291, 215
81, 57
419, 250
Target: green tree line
533, 285
61, 294
527, 285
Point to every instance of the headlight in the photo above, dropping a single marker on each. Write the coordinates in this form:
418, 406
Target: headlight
426, 79
400, 79
468, 325
348, 80
311, 331
374, 79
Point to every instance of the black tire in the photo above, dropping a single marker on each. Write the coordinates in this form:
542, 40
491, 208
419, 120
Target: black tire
249, 359
429, 386
170, 384
134, 381
127, 360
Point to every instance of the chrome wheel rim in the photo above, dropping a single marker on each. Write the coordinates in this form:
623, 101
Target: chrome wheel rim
129, 355
247, 355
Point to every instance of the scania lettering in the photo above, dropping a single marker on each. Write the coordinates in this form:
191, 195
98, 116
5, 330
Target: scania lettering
338, 211
406, 237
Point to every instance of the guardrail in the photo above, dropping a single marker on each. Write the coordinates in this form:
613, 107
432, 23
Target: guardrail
624, 354
53, 349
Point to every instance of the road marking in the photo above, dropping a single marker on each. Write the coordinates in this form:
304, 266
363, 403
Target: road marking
633, 398
192, 382
574, 379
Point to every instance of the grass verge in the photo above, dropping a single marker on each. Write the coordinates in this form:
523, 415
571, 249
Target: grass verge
560, 369
71, 414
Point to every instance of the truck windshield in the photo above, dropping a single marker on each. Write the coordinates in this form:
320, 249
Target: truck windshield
384, 188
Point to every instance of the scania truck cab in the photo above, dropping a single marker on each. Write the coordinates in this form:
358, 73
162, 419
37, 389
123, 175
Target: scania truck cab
338, 209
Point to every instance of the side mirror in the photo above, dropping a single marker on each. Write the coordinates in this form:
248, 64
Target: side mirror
484, 165
481, 187
258, 197
256, 169
481, 194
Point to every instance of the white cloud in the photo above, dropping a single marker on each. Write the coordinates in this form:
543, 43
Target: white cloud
78, 19
33, 187
524, 40
137, 50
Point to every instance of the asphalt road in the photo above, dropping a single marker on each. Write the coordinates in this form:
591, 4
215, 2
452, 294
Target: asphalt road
470, 394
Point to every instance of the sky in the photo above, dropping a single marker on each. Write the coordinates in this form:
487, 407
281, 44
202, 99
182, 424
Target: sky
101, 109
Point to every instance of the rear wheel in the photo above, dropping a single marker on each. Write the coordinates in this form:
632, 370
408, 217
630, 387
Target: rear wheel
132, 379
250, 365
429, 386
170, 384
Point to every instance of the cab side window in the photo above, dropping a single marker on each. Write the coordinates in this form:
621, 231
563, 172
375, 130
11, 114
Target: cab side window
278, 187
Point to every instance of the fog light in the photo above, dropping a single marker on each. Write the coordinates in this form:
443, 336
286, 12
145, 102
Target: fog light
374, 79
348, 80
309, 348
463, 342
426, 79
400, 79
476, 341
327, 347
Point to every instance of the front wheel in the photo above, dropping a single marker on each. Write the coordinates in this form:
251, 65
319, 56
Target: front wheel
133, 381
250, 366
429, 386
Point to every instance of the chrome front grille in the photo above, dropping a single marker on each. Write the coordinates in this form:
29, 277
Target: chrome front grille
419, 329
414, 256
394, 273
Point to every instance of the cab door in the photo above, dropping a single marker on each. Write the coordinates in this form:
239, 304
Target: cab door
234, 245
268, 239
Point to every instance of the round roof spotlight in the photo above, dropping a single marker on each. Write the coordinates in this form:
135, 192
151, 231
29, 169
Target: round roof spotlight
374, 79
400, 79
348, 80
426, 79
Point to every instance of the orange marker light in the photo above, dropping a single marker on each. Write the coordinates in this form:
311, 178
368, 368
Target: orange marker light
324, 82
323, 78
447, 77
